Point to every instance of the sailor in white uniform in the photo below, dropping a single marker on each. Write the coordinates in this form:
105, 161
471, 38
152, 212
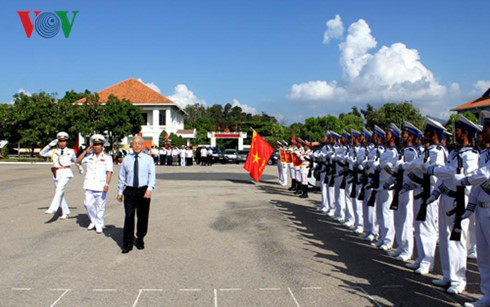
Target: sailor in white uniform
63, 158
97, 178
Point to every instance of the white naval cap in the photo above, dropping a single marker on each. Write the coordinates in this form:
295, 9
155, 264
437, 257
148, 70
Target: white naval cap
334, 134
466, 124
410, 128
62, 136
368, 134
97, 139
355, 133
395, 130
435, 126
346, 134
378, 131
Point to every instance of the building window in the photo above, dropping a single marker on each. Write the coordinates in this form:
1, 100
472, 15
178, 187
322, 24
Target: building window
146, 119
162, 118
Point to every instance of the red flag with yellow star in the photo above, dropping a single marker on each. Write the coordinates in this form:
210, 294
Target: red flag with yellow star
260, 152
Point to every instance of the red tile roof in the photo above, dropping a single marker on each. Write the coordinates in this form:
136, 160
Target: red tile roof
483, 101
134, 91
185, 131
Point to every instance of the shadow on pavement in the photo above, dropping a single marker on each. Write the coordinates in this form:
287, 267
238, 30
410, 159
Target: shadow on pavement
386, 277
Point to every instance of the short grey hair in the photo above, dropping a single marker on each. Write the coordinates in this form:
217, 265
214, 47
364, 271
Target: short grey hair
137, 138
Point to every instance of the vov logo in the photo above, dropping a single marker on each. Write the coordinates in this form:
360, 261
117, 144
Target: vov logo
47, 24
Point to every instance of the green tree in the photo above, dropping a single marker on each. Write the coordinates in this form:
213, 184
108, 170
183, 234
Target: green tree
455, 117
175, 140
395, 113
120, 118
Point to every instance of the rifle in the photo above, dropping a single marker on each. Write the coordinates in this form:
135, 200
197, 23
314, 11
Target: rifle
345, 172
372, 198
364, 179
398, 185
422, 214
353, 191
460, 208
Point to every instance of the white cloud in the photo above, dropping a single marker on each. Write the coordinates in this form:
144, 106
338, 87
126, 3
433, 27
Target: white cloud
151, 85
184, 97
335, 29
390, 74
245, 108
24, 92
482, 86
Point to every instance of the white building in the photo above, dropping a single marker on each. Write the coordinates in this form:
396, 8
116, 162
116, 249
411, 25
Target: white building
159, 112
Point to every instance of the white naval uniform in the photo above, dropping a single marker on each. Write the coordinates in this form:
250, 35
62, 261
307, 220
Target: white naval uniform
383, 200
338, 158
453, 253
426, 232
404, 213
95, 180
481, 200
349, 209
356, 203
371, 226
62, 159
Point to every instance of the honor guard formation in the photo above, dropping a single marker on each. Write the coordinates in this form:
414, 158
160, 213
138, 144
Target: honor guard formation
404, 191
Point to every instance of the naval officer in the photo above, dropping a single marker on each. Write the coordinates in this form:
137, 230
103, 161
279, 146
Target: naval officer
97, 178
63, 158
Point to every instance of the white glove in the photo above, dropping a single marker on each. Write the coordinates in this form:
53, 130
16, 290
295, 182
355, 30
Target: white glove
431, 199
80, 169
388, 166
360, 167
466, 214
53, 143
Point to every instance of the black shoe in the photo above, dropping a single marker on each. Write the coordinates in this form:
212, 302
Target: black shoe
140, 244
126, 250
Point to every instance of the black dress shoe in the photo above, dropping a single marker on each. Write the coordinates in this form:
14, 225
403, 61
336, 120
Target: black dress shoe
140, 246
125, 250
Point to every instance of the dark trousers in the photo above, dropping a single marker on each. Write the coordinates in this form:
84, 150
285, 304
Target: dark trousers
134, 202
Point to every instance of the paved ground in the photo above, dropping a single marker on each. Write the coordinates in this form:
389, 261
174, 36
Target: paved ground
215, 239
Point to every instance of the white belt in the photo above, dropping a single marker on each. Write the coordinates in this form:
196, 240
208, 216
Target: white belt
483, 205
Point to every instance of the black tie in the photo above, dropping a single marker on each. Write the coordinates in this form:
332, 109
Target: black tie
135, 172
61, 152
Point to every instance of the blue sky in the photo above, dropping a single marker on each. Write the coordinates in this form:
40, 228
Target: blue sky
266, 56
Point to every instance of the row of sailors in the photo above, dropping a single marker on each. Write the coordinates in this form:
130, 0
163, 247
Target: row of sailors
408, 196
183, 155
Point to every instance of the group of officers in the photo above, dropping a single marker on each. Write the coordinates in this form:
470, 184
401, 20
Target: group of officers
403, 190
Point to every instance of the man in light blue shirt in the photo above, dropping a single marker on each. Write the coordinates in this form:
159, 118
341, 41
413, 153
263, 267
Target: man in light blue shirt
136, 182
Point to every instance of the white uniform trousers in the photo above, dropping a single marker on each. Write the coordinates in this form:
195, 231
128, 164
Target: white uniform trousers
349, 210
404, 224
297, 174
292, 172
339, 199
472, 234
384, 217
369, 214
284, 173
426, 233
95, 203
453, 253
358, 210
331, 195
182, 161
482, 217
280, 173
59, 195
304, 175
323, 189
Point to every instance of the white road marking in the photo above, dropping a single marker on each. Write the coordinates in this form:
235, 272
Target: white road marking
152, 290
294, 298
215, 298
59, 298
231, 289
138, 297
311, 288
104, 290
189, 290
21, 289
269, 289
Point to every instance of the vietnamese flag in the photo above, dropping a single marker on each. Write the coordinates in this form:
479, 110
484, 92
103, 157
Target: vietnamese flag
260, 152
